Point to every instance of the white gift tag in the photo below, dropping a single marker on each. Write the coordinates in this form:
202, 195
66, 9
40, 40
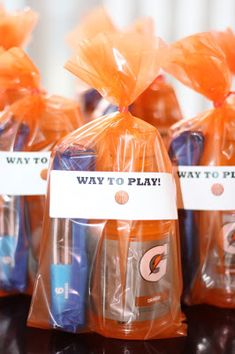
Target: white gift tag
206, 187
21, 172
112, 195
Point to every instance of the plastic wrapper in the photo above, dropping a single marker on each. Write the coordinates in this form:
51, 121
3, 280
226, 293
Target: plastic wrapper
98, 21
94, 22
16, 27
143, 25
89, 277
101, 106
18, 76
226, 40
158, 106
203, 149
32, 124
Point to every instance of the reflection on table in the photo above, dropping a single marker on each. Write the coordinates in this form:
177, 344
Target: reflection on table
210, 331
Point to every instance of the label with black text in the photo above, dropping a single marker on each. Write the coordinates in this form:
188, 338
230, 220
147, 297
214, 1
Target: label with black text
112, 195
206, 187
23, 173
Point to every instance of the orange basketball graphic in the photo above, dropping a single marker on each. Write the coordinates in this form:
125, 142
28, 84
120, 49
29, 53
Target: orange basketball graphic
43, 174
121, 197
217, 189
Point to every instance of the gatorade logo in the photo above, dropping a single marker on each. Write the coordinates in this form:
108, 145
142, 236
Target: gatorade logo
153, 263
229, 238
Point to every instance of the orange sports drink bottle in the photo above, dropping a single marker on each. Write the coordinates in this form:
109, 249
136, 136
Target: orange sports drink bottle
135, 286
133, 273
213, 281
158, 106
217, 254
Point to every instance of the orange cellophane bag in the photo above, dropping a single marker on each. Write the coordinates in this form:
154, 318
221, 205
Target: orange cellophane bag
89, 277
16, 27
158, 105
204, 147
143, 25
226, 40
33, 123
95, 21
18, 76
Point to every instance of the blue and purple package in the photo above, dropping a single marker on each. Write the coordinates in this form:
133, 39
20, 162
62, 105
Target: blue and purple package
90, 100
186, 150
69, 269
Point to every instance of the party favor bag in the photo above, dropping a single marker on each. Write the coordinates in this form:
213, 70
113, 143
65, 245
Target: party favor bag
28, 130
109, 260
204, 150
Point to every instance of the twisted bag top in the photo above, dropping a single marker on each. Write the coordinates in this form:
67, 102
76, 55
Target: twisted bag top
16, 27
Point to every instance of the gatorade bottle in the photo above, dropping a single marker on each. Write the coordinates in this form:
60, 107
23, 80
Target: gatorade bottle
135, 285
215, 283
158, 106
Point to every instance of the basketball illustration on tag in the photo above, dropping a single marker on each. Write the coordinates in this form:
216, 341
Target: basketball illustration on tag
217, 189
121, 197
153, 263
